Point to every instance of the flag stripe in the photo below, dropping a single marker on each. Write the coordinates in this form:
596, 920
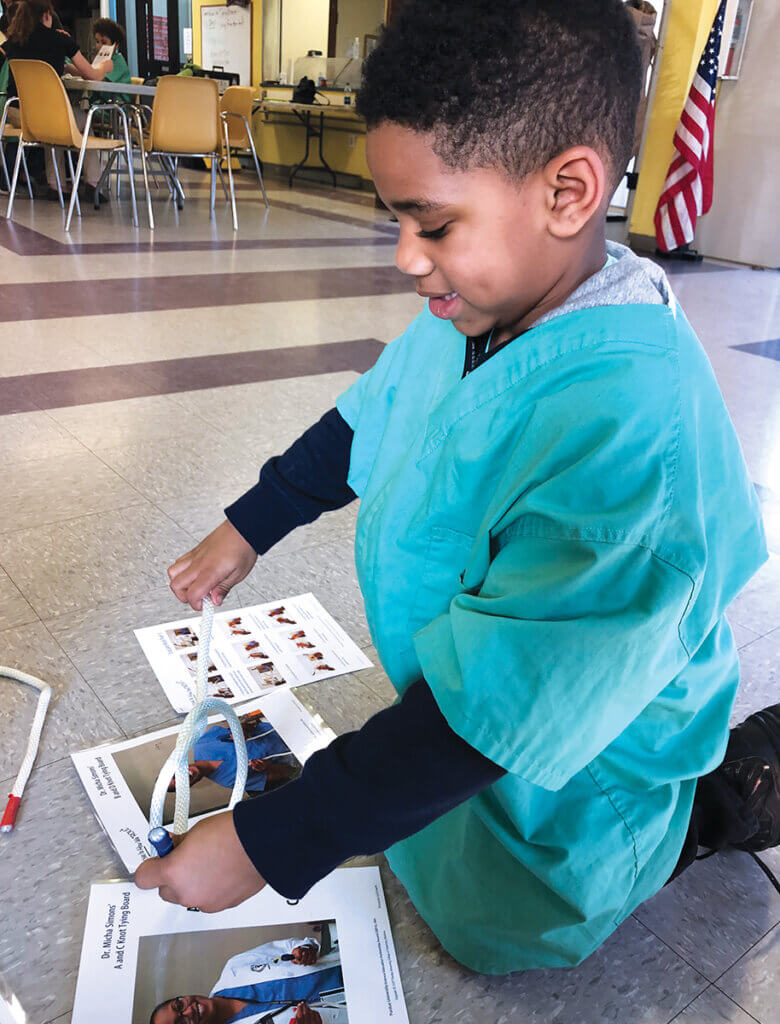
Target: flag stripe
687, 191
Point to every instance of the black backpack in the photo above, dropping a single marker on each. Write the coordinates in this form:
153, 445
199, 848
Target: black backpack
304, 91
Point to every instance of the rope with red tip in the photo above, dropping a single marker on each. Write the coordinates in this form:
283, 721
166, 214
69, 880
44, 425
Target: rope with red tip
15, 797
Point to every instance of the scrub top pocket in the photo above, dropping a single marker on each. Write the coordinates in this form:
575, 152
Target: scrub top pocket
446, 557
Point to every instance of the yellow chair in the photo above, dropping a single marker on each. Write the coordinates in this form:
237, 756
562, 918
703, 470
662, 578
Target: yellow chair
47, 120
186, 121
9, 130
236, 106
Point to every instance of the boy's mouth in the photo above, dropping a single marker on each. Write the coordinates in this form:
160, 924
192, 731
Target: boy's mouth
443, 306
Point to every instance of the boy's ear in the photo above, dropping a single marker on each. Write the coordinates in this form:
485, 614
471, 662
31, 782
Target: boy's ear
575, 184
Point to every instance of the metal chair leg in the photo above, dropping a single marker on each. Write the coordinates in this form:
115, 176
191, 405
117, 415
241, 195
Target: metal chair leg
11, 197
144, 168
213, 194
257, 162
166, 176
77, 178
72, 176
5, 165
230, 173
57, 176
222, 180
26, 172
178, 190
129, 159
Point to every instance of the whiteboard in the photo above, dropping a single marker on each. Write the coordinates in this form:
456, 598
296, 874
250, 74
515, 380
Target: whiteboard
226, 40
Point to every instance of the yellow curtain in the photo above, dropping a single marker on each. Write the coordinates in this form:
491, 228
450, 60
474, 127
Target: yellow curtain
688, 27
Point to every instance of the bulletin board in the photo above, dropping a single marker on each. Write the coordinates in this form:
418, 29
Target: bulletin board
226, 39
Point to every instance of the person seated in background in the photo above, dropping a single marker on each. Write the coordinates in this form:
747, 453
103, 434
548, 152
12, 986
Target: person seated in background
107, 33
32, 36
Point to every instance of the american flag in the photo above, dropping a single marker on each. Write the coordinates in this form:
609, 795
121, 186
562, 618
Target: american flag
688, 188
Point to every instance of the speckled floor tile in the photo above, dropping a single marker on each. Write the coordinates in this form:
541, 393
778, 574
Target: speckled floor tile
84, 562
163, 470
758, 606
200, 514
48, 863
742, 635
759, 684
36, 350
100, 642
344, 703
14, 610
713, 1007
632, 979
267, 416
753, 981
714, 912
76, 717
56, 489
26, 436
129, 421
376, 678
62, 1019
328, 571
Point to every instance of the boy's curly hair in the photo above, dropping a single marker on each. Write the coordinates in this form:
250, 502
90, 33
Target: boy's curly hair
509, 83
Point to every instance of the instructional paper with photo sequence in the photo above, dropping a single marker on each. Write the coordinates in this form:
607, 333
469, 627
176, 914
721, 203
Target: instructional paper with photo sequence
119, 777
254, 650
139, 952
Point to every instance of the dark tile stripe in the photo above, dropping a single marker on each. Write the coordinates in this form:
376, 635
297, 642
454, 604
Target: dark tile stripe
353, 197
386, 227
769, 349
170, 376
44, 301
24, 241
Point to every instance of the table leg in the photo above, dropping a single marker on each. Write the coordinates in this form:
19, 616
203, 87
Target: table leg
325, 163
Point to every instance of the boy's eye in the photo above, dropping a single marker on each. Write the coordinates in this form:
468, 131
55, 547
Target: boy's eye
437, 232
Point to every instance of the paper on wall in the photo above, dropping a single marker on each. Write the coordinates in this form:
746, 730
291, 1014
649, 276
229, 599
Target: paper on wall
254, 650
119, 777
139, 952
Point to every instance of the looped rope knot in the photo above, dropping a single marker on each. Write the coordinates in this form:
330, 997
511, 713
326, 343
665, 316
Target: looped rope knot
192, 728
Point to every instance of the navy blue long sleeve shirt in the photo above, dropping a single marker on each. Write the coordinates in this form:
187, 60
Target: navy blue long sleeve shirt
370, 788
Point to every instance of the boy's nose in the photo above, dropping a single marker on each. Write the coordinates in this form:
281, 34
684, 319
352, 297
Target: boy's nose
410, 256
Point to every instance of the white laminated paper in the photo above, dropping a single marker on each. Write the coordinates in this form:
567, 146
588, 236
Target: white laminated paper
140, 953
119, 777
254, 650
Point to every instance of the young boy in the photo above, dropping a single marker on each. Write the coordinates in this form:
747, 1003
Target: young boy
554, 515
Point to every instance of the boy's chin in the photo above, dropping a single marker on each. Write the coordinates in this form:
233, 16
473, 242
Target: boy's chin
470, 327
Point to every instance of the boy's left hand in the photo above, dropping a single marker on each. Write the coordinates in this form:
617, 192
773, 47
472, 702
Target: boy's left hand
208, 869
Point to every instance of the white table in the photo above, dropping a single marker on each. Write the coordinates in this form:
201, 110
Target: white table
115, 88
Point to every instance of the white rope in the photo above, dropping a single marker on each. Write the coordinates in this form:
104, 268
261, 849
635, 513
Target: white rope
15, 795
192, 728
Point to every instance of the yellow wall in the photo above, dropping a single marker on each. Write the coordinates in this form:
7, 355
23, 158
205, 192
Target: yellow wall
687, 29
257, 34
304, 28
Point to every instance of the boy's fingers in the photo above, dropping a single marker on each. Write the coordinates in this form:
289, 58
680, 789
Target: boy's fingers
149, 874
180, 564
168, 894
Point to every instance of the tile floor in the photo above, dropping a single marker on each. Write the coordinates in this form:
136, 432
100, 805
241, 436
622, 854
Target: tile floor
117, 452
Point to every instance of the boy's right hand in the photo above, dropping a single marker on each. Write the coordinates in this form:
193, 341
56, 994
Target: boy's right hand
216, 565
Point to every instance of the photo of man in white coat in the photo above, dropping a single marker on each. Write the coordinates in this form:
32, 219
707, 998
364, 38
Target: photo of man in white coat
275, 983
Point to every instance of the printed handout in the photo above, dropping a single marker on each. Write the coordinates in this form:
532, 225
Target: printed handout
325, 959
119, 777
254, 650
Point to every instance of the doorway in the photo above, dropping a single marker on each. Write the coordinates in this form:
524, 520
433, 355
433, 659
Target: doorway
157, 35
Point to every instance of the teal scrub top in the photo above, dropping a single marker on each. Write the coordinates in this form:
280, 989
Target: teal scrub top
120, 72
551, 542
